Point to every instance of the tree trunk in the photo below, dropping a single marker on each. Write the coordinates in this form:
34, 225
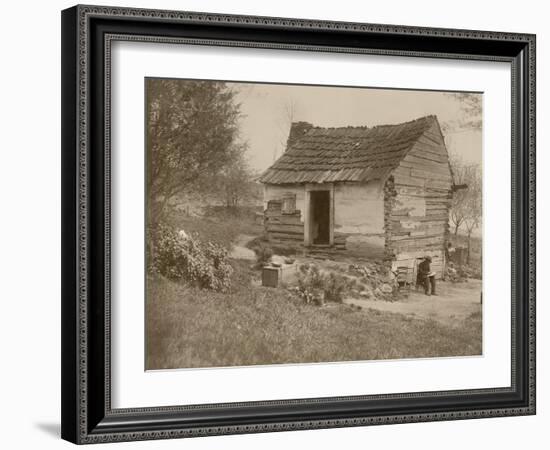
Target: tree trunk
469, 246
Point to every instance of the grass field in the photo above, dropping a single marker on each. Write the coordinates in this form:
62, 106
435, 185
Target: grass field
188, 327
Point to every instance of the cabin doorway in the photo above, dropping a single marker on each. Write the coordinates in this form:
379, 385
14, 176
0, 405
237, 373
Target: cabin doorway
319, 211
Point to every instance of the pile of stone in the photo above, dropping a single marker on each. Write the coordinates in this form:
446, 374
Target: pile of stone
375, 281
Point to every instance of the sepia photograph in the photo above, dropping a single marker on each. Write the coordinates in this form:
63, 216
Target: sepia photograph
300, 224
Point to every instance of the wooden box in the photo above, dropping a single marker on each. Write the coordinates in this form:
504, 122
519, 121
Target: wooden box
274, 276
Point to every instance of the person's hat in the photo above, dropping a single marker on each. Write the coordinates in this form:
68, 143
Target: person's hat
428, 258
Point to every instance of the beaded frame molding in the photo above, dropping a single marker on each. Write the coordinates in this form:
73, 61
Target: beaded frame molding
87, 35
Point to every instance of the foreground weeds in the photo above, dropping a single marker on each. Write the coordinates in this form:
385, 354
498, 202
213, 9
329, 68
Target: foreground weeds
190, 327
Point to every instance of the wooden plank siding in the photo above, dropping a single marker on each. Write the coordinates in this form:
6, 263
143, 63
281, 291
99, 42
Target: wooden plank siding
284, 229
418, 199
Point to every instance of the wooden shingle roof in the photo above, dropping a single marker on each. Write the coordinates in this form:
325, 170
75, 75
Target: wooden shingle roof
323, 155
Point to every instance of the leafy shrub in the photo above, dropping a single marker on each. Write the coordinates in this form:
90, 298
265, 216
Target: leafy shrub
336, 286
316, 286
177, 257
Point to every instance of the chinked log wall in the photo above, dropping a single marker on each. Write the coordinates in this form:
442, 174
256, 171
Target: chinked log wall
417, 200
283, 229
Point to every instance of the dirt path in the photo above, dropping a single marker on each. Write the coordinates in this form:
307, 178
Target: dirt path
239, 251
454, 302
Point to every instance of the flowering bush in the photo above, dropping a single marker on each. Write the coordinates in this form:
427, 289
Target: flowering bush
177, 256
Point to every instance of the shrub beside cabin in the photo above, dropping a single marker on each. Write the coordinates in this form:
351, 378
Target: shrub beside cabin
381, 192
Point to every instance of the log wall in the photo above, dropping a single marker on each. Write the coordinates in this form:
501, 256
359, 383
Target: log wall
417, 201
283, 229
358, 217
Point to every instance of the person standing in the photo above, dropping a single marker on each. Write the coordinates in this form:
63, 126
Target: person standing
426, 277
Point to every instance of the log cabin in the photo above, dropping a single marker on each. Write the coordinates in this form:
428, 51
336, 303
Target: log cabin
379, 192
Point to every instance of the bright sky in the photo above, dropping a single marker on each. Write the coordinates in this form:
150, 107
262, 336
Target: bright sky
266, 119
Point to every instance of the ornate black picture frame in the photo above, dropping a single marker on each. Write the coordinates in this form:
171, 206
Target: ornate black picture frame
87, 34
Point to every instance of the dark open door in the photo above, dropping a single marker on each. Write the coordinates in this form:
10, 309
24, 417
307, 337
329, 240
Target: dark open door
320, 217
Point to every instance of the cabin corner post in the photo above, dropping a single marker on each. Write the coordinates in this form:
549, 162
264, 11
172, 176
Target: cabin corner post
389, 203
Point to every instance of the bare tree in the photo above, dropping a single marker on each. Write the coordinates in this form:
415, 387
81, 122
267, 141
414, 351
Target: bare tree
466, 207
473, 204
457, 212
288, 115
471, 107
